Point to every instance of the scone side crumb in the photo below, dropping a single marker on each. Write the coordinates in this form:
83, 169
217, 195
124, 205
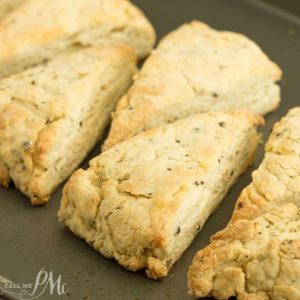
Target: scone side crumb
136, 215
265, 226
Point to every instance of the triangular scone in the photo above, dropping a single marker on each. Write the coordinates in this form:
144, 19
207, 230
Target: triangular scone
38, 29
8, 5
144, 200
52, 115
257, 256
196, 69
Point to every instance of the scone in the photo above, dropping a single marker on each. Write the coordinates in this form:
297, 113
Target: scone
53, 114
39, 29
196, 69
7, 6
257, 256
144, 200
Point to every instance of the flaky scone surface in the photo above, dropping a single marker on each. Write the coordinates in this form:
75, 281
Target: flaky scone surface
40, 29
196, 69
257, 256
52, 115
143, 201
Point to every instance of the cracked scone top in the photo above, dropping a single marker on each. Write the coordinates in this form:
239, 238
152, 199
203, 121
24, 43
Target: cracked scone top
257, 256
196, 69
143, 201
40, 29
53, 114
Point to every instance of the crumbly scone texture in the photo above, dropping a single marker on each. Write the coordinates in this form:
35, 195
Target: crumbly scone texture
196, 69
7, 6
144, 200
257, 256
53, 114
39, 29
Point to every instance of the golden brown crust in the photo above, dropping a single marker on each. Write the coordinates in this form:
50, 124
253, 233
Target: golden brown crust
261, 244
139, 202
40, 29
277, 179
4, 175
52, 115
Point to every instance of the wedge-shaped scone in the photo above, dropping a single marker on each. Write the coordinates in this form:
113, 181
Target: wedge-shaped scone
196, 69
143, 201
39, 29
52, 115
257, 256
7, 6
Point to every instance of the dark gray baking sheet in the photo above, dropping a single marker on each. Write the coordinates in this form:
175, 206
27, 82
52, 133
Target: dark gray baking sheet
31, 238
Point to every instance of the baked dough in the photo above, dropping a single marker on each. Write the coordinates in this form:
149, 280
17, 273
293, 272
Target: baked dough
7, 6
39, 29
53, 114
143, 201
196, 69
257, 256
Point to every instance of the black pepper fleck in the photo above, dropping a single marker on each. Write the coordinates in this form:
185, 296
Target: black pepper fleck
27, 145
169, 261
199, 227
222, 124
178, 230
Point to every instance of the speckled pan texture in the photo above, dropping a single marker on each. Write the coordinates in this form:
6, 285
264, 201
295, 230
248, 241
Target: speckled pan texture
31, 238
